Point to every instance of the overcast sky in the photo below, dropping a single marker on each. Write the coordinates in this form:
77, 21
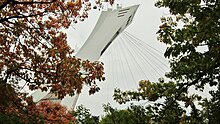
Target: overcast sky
144, 26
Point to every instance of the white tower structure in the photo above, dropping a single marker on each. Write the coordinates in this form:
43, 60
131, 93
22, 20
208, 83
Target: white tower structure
109, 25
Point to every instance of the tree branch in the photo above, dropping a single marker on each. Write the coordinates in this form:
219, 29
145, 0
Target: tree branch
19, 16
4, 4
186, 86
33, 2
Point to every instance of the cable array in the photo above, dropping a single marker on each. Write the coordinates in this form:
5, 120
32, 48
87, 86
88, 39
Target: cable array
130, 60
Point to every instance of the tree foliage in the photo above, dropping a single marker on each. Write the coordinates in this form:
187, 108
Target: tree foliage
211, 107
192, 35
34, 50
54, 113
200, 28
131, 115
83, 116
44, 112
162, 105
